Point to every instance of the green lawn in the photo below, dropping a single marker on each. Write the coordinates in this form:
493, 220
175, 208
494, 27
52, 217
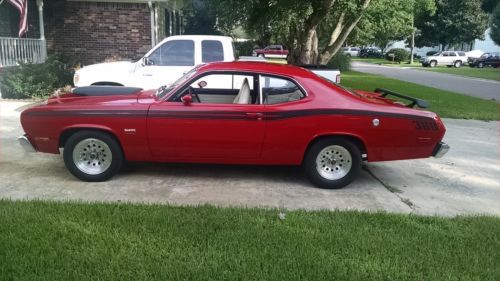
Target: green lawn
446, 104
484, 73
76, 241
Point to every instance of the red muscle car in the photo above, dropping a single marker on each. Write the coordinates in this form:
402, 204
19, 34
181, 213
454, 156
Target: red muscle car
234, 113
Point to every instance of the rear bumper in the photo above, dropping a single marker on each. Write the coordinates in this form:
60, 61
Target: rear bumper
440, 150
26, 144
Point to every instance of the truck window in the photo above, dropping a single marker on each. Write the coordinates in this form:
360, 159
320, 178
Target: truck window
211, 50
174, 53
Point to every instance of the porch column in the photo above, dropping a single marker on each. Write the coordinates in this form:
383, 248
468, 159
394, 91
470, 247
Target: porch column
43, 48
152, 15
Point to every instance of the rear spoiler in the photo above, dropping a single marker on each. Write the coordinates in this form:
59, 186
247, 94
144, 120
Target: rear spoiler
418, 102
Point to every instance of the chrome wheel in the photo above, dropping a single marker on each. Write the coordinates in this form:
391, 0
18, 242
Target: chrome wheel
333, 162
92, 156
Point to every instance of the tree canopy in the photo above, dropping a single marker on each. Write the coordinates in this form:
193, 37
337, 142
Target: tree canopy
455, 21
313, 30
495, 25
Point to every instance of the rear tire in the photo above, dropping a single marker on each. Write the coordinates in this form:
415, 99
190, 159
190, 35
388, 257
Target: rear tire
92, 156
480, 65
333, 162
457, 64
433, 63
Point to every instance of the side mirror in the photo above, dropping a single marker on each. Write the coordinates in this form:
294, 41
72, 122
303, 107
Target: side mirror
187, 99
202, 84
147, 61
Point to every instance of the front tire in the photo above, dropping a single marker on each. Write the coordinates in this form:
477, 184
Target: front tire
92, 156
332, 163
457, 64
480, 65
433, 63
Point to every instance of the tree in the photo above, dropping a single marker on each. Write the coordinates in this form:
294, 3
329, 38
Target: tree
201, 19
296, 23
495, 25
455, 21
421, 8
384, 22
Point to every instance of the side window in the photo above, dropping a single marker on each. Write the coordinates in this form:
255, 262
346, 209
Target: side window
445, 54
224, 89
453, 54
174, 53
279, 90
211, 50
462, 54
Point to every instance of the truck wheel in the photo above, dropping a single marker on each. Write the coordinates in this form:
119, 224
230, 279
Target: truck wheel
457, 64
433, 63
92, 155
480, 64
332, 163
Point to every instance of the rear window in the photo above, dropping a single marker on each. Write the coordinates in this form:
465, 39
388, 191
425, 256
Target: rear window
462, 54
211, 50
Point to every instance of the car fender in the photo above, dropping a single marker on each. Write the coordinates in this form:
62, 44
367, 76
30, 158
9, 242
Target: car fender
362, 141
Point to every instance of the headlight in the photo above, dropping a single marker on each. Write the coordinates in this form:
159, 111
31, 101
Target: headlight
76, 78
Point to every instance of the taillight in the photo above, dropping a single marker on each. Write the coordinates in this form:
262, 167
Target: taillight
337, 79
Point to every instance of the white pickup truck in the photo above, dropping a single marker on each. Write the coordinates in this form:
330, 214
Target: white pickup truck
166, 62
163, 64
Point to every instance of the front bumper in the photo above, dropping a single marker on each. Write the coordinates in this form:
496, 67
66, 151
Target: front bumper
440, 150
26, 144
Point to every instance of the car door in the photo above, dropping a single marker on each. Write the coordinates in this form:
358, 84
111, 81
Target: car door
212, 128
166, 64
285, 135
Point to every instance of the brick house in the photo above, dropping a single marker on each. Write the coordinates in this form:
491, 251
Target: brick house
90, 31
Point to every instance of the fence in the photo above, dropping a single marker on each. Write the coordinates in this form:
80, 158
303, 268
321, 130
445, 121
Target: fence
26, 50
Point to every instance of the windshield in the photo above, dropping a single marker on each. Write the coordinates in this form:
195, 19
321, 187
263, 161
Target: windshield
166, 89
435, 55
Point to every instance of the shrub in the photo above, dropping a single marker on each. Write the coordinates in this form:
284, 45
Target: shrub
244, 48
397, 55
36, 80
430, 53
340, 61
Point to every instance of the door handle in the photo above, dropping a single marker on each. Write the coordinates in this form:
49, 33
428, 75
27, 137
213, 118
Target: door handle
147, 74
254, 115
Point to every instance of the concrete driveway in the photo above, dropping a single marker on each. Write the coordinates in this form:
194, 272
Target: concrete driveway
466, 181
481, 88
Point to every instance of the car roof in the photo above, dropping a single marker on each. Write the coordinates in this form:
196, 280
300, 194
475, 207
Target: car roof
253, 66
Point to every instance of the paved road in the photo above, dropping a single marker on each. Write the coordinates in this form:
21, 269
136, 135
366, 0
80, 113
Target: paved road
466, 181
482, 88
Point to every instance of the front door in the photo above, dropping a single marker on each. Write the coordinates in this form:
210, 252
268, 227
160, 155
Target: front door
222, 124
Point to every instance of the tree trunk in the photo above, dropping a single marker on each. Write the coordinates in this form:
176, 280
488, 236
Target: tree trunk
307, 50
336, 41
412, 44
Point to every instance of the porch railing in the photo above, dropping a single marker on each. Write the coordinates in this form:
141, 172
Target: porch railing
26, 50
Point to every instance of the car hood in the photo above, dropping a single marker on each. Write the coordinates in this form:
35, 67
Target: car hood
119, 96
120, 66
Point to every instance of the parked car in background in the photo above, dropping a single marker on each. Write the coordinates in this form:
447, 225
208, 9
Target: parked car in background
163, 64
474, 54
271, 51
371, 52
448, 58
487, 59
257, 113
351, 51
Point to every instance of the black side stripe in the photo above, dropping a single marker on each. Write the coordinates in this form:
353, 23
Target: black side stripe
233, 115
91, 113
